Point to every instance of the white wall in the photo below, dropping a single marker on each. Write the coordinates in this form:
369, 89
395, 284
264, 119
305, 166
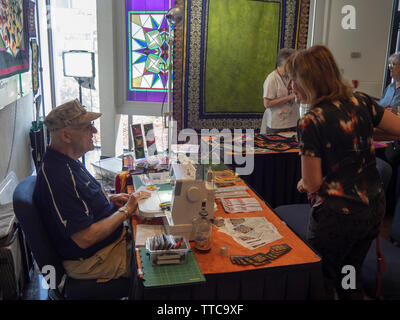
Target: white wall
112, 76
105, 42
370, 39
15, 149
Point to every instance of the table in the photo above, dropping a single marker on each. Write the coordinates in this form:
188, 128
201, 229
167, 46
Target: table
275, 177
276, 174
296, 275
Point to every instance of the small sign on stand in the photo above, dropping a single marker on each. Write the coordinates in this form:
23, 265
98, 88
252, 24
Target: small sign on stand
138, 141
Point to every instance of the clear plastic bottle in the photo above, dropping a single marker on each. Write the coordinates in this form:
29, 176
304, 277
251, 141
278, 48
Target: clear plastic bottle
210, 177
202, 228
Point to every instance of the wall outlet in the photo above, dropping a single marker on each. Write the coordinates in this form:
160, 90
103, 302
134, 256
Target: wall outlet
355, 54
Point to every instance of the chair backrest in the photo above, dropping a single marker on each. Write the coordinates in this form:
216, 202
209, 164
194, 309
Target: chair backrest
32, 226
395, 229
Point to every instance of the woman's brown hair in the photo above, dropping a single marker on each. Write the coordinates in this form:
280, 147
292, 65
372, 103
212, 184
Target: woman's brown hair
316, 72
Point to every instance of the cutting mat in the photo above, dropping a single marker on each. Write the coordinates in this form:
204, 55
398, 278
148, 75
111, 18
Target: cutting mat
155, 276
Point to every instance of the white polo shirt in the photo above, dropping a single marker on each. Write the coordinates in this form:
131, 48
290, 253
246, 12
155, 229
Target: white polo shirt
285, 115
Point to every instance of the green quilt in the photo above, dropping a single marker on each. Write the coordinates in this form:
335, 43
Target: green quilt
223, 51
242, 42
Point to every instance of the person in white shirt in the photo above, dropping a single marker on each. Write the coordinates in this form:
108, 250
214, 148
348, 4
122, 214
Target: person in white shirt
281, 111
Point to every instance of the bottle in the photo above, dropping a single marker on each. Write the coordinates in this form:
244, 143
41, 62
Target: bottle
202, 229
304, 108
210, 177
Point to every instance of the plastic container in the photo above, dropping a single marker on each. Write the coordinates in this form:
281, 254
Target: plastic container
171, 256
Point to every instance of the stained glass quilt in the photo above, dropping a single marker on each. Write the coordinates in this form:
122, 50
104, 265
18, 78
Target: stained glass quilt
147, 50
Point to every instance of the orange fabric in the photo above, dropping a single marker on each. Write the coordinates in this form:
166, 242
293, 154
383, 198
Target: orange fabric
212, 262
295, 150
122, 177
378, 145
139, 264
130, 189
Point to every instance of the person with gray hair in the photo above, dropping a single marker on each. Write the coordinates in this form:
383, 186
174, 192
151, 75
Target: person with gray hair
281, 111
391, 95
85, 223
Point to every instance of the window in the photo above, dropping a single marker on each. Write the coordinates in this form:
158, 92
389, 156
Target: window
147, 39
160, 133
67, 25
147, 50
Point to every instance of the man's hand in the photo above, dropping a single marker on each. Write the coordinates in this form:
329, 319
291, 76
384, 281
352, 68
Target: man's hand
129, 201
101, 229
142, 195
132, 205
119, 199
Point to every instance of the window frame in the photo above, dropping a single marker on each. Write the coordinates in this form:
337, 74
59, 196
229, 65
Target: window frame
124, 106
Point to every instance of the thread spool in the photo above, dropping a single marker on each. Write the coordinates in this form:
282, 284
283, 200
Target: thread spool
223, 251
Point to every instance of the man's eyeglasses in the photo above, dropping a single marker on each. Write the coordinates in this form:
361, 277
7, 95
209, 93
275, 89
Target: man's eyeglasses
88, 127
392, 64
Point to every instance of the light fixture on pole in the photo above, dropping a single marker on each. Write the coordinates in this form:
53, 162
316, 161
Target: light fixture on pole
174, 16
79, 64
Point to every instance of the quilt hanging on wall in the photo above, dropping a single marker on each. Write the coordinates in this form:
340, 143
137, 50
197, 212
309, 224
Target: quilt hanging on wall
14, 46
224, 51
147, 50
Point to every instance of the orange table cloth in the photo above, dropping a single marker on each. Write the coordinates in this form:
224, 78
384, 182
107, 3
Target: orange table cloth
213, 263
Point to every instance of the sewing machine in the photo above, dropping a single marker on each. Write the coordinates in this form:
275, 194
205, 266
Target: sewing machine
189, 191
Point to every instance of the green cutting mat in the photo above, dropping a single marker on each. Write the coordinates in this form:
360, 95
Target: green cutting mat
155, 276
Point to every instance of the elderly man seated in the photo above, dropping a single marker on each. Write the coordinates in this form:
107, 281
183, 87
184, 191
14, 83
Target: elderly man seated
84, 222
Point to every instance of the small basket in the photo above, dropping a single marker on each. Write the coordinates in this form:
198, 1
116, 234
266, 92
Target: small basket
170, 256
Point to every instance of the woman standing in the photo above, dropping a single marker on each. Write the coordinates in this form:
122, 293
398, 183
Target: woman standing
338, 165
281, 112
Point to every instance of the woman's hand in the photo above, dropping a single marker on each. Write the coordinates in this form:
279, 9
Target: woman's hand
300, 186
292, 97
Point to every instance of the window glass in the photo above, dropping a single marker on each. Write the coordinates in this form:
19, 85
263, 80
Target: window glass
160, 133
147, 50
74, 28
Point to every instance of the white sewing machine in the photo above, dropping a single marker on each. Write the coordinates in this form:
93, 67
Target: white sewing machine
189, 192
188, 196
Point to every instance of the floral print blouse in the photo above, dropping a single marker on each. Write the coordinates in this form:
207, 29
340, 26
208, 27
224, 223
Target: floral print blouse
340, 133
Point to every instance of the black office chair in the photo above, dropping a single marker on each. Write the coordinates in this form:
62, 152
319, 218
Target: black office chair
296, 217
45, 254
